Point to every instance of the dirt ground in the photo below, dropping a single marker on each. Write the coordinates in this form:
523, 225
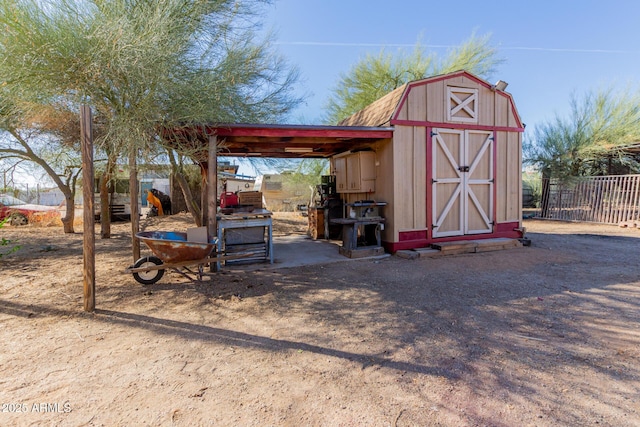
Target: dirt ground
546, 335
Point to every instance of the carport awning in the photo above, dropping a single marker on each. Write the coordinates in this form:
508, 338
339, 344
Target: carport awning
278, 141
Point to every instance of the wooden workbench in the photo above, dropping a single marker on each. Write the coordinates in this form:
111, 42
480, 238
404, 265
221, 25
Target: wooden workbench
369, 229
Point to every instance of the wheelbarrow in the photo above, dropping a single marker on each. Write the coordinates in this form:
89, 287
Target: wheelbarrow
173, 251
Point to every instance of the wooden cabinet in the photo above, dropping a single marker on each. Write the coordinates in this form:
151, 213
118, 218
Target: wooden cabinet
340, 170
356, 173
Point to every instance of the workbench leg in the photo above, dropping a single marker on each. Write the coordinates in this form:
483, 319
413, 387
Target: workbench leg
220, 237
270, 233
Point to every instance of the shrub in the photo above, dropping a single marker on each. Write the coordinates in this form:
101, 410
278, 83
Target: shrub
6, 242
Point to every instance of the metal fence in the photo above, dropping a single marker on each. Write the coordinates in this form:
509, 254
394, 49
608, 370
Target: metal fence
612, 199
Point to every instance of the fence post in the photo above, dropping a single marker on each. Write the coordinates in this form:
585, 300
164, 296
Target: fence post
89, 238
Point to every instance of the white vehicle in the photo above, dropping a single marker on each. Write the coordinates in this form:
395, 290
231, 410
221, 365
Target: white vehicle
119, 200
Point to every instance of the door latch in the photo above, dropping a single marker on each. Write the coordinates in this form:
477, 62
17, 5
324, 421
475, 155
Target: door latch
463, 168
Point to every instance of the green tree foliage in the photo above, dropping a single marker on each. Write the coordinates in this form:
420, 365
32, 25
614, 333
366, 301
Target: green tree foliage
376, 75
142, 63
592, 140
138, 62
308, 171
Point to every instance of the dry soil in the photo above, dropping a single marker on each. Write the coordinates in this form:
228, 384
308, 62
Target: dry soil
547, 335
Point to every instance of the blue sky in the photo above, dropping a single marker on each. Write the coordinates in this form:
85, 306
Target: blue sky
552, 49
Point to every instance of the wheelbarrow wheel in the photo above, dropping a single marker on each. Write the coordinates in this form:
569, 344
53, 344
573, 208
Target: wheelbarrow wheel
148, 277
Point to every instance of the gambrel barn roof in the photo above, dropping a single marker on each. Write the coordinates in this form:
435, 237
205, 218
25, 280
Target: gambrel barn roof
395, 108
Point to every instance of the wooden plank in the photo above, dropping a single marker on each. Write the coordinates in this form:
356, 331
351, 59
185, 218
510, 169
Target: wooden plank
419, 178
436, 102
211, 191
403, 112
428, 252
212, 187
134, 197
361, 252
497, 244
403, 169
502, 113
501, 177
385, 187
417, 104
407, 254
88, 238
636, 200
486, 107
456, 248
514, 177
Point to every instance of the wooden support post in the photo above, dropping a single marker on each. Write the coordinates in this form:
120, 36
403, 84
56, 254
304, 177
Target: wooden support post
134, 197
204, 194
212, 191
89, 238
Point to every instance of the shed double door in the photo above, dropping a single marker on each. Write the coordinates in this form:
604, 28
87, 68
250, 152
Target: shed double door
462, 182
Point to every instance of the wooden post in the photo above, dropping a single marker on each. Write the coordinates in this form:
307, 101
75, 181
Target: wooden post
212, 191
89, 238
133, 199
204, 194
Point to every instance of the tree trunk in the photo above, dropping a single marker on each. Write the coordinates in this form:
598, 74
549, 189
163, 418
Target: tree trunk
69, 214
67, 190
105, 219
105, 198
546, 193
192, 206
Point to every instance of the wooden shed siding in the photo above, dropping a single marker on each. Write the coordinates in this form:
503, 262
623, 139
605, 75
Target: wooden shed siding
514, 179
420, 177
487, 107
403, 112
416, 105
436, 101
491, 102
502, 112
384, 187
404, 175
508, 177
501, 143
403, 180
513, 121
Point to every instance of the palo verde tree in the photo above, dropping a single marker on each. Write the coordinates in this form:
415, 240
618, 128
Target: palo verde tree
26, 137
376, 75
143, 64
591, 140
